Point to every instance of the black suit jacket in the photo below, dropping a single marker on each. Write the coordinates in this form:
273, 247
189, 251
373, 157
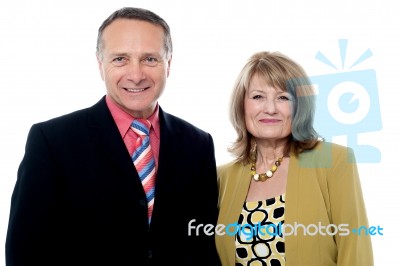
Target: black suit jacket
78, 199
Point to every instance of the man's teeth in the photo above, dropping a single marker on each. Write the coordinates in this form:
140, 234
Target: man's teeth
135, 90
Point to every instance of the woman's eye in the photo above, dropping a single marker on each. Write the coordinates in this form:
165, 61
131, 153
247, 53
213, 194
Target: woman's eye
283, 98
257, 97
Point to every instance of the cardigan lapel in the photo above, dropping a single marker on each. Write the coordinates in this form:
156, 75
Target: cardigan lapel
292, 207
239, 192
234, 197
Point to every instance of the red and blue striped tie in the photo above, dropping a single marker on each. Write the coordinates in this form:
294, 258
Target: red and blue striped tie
143, 160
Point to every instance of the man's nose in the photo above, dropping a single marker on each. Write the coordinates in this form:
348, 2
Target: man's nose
135, 72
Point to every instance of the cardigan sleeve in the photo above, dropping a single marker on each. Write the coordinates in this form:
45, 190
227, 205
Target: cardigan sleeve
348, 210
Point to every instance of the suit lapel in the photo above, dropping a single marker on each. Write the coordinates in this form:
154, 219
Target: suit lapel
169, 139
108, 139
167, 174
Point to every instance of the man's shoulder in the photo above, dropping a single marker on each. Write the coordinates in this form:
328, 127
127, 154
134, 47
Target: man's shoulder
65, 119
177, 123
70, 119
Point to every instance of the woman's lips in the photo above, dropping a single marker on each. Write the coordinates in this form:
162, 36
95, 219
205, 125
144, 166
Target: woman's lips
270, 121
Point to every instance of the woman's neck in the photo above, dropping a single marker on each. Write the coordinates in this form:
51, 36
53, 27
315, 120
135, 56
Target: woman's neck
268, 152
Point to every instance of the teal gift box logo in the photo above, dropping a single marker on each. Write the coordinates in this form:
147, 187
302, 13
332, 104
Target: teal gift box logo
347, 104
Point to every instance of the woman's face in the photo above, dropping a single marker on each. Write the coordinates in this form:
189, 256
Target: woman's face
268, 111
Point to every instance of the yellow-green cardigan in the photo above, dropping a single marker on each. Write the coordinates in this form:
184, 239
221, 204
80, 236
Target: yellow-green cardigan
322, 187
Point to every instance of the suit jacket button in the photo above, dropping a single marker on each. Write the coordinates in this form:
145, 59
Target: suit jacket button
142, 203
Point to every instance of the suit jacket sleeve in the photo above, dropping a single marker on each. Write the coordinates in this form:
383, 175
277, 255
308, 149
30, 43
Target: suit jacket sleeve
29, 237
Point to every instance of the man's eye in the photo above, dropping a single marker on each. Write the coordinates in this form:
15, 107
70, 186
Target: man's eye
119, 60
150, 61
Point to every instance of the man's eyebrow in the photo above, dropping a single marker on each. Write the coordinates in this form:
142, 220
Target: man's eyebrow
156, 54
123, 54
117, 54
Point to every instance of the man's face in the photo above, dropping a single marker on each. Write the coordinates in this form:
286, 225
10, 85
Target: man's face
134, 65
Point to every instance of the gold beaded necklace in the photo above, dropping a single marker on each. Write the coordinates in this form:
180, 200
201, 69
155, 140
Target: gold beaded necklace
264, 176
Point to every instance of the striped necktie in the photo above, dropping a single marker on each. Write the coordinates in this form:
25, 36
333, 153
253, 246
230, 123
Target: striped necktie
143, 160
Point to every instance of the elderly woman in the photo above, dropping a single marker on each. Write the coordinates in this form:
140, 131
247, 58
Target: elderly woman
288, 198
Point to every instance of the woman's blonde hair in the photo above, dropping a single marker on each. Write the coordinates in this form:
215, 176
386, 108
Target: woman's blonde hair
278, 71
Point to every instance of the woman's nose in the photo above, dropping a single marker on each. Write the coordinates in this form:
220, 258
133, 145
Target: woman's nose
269, 106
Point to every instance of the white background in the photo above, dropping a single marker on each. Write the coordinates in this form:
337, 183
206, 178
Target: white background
48, 68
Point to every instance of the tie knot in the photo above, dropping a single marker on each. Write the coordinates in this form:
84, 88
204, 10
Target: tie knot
141, 126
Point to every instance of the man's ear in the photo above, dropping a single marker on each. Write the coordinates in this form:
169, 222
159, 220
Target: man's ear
100, 65
169, 64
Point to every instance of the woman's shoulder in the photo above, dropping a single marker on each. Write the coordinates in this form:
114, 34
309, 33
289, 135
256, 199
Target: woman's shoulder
329, 146
230, 174
230, 169
324, 153
228, 166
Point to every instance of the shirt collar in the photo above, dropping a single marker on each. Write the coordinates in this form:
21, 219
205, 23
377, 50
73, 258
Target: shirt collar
123, 120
